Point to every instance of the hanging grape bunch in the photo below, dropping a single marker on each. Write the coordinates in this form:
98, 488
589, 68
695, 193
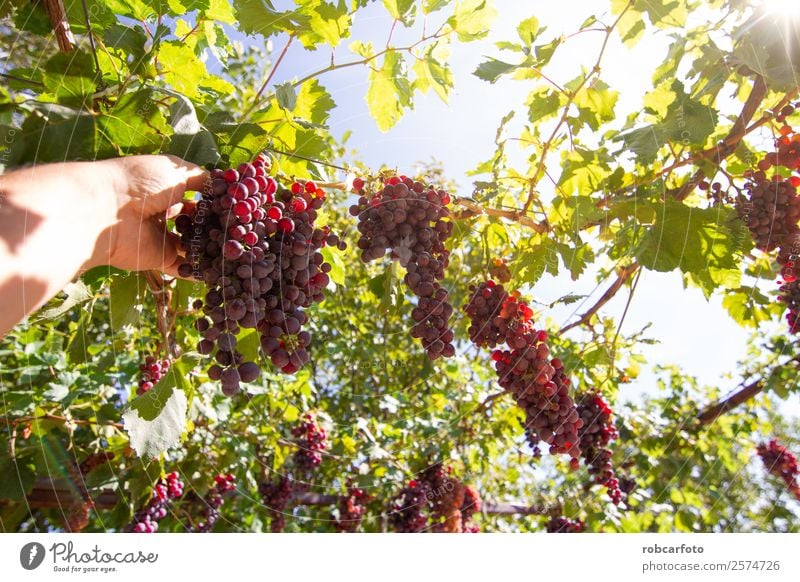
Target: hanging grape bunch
412, 222
255, 246
497, 317
151, 372
146, 519
565, 525
770, 209
406, 514
352, 508
790, 295
541, 388
213, 501
276, 495
472, 505
780, 462
499, 270
310, 438
597, 433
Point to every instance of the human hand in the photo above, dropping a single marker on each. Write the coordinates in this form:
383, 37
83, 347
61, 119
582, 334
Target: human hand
146, 190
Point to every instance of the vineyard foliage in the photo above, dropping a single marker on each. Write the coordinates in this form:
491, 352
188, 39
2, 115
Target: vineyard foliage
593, 195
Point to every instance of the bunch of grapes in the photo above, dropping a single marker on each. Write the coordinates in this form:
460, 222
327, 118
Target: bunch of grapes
151, 372
790, 295
146, 519
445, 498
471, 506
498, 317
213, 501
782, 463
412, 221
255, 246
770, 209
499, 270
406, 515
565, 525
787, 151
276, 495
541, 388
352, 508
310, 439
596, 434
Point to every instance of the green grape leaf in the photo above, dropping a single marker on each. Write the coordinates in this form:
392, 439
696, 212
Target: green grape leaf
77, 293
528, 30
134, 126
70, 78
686, 121
261, 17
286, 96
389, 92
54, 133
402, 10
77, 348
693, 240
314, 103
492, 69
249, 345
190, 140
429, 6
338, 269
432, 74
19, 476
156, 420
472, 19
322, 22
125, 297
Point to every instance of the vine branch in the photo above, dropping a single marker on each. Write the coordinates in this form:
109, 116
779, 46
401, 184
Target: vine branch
519, 216
622, 276
711, 413
58, 20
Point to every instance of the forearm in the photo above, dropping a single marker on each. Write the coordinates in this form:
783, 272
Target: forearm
55, 220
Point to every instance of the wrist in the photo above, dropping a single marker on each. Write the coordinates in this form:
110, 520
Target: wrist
104, 187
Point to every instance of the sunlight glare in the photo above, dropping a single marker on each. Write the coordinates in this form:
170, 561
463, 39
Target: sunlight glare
783, 7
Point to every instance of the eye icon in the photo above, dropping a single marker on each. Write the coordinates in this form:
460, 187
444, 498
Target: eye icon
31, 555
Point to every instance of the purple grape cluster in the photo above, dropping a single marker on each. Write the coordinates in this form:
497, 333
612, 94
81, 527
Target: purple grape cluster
146, 519
412, 221
597, 432
213, 501
406, 515
255, 246
276, 495
310, 439
498, 317
541, 388
565, 525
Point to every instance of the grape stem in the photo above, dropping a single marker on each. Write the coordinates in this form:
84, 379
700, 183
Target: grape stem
260, 92
519, 216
